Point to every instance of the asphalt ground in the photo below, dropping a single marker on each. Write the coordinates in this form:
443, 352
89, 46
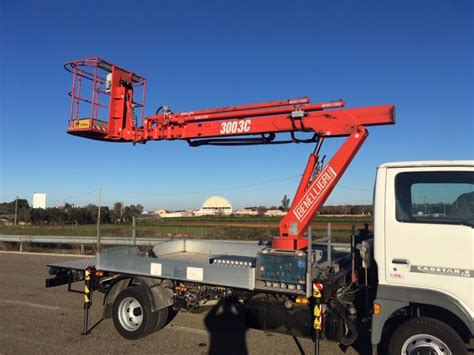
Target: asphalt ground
37, 320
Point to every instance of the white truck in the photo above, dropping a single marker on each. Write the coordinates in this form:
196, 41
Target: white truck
410, 284
424, 252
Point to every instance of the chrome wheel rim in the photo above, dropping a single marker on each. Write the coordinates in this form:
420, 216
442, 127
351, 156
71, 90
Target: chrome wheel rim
130, 314
425, 344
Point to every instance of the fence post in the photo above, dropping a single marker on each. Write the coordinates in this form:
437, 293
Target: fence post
16, 209
353, 235
329, 242
134, 231
98, 219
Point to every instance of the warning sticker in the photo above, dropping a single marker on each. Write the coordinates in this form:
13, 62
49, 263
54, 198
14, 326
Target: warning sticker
155, 269
86, 123
195, 273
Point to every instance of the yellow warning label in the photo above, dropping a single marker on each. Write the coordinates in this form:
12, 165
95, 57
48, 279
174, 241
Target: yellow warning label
86, 299
316, 293
317, 311
317, 323
85, 123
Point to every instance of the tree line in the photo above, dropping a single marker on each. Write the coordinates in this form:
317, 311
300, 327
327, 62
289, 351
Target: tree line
324, 210
69, 214
346, 210
119, 213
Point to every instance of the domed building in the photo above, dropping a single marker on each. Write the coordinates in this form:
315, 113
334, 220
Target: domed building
215, 205
161, 212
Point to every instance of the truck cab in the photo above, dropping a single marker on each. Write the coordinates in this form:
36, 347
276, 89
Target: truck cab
424, 251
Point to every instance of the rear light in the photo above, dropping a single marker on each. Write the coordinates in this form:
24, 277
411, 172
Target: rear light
301, 300
377, 309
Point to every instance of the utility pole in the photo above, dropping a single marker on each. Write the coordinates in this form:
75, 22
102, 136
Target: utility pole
329, 257
98, 219
134, 231
16, 209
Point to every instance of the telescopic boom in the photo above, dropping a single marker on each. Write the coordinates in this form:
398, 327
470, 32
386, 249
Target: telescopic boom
106, 90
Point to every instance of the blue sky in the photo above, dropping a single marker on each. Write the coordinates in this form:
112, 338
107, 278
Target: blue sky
414, 54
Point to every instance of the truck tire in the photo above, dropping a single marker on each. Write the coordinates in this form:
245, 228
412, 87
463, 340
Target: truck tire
425, 336
163, 316
132, 313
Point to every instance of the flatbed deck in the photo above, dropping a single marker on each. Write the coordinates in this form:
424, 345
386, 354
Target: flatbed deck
75, 264
221, 263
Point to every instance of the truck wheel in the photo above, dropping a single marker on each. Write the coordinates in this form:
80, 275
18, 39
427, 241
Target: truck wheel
132, 313
162, 318
425, 336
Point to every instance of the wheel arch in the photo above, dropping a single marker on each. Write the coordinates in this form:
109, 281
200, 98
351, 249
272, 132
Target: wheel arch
160, 292
399, 304
447, 317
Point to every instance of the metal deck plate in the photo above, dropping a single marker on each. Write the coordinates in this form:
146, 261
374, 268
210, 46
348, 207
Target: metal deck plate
75, 264
176, 264
189, 257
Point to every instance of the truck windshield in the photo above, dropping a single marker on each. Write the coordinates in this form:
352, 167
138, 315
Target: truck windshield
435, 197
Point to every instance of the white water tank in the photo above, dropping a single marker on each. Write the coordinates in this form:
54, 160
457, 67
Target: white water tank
39, 200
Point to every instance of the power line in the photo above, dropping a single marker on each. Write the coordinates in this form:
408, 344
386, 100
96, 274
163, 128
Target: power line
205, 191
76, 196
225, 188
229, 188
353, 188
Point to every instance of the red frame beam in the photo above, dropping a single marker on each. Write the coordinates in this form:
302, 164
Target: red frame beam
308, 200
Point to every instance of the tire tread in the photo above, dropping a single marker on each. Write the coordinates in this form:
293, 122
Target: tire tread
430, 326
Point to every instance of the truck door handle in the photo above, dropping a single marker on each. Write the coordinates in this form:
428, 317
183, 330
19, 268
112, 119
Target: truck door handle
400, 261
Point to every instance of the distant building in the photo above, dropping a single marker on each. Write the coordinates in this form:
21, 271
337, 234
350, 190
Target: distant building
162, 213
253, 212
275, 213
39, 200
246, 212
215, 205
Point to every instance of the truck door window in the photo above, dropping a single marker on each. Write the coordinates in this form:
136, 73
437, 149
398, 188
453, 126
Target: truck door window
435, 197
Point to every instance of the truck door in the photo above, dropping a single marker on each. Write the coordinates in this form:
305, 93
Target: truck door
429, 230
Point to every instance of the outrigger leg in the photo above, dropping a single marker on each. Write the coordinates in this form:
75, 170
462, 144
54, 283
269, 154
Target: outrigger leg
88, 288
317, 314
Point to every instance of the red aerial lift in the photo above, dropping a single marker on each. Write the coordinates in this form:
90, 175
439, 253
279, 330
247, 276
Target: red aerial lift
119, 96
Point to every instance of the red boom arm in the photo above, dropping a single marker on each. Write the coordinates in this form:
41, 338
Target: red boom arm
216, 126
